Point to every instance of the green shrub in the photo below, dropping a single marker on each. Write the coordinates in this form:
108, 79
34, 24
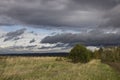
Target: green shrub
80, 54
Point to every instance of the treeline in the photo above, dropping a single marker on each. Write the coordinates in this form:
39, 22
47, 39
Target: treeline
108, 54
80, 53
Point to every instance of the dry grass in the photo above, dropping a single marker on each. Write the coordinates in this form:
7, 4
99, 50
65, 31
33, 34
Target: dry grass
46, 68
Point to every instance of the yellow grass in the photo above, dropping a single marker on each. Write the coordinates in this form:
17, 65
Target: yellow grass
47, 68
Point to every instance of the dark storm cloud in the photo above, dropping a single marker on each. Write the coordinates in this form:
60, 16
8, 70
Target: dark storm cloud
14, 35
79, 13
92, 38
66, 15
100, 4
112, 18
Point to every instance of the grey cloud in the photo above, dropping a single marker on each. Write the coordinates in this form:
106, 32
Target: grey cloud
5, 20
92, 38
32, 41
14, 34
53, 13
17, 38
112, 18
16, 47
58, 45
22, 47
100, 4
31, 47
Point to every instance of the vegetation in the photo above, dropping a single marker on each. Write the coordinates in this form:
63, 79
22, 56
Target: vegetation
96, 54
60, 68
108, 54
111, 54
47, 68
80, 54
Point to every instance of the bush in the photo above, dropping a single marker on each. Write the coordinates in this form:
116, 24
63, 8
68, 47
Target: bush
59, 59
80, 54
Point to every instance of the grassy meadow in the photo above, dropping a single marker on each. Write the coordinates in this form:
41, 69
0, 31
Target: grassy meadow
50, 68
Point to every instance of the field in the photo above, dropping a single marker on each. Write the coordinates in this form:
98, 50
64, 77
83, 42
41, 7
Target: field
47, 68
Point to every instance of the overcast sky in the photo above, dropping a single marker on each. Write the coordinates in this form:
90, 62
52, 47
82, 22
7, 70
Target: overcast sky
89, 22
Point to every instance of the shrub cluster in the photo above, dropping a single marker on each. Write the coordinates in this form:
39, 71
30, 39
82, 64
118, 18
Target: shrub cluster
80, 54
59, 59
107, 54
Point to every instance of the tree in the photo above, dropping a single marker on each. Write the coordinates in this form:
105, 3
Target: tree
100, 50
97, 54
80, 54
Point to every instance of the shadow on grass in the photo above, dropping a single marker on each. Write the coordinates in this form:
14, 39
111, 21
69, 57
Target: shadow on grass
115, 65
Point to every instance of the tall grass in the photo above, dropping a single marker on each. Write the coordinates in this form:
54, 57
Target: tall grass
47, 68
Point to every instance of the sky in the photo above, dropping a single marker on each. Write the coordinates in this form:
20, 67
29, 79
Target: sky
88, 22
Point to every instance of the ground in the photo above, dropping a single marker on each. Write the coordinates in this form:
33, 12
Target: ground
47, 68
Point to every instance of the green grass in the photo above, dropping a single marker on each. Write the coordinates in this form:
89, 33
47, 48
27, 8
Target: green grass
47, 68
